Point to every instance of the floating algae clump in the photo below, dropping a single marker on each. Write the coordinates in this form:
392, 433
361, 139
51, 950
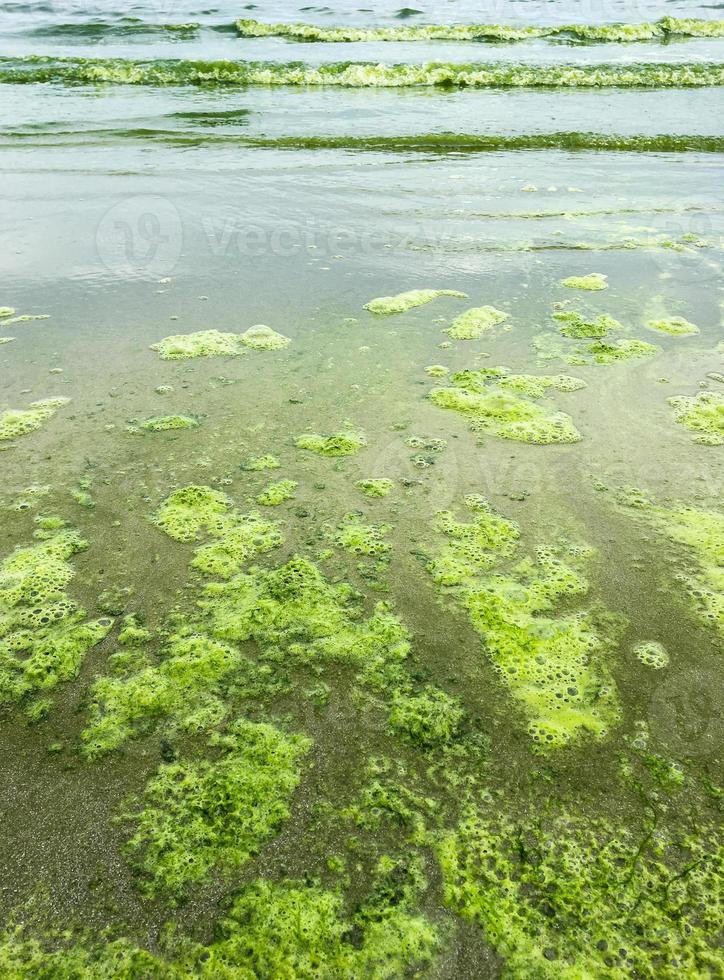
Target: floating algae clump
163, 423
262, 337
43, 635
429, 718
299, 930
277, 493
437, 371
482, 398
6, 311
339, 444
262, 463
624, 350
547, 662
473, 323
362, 539
204, 343
379, 487
237, 537
593, 281
575, 326
703, 414
701, 532
200, 816
652, 654
18, 422
579, 898
667, 26
675, 326
407, 301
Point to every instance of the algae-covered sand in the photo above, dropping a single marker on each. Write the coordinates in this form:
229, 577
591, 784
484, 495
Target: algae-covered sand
361, 535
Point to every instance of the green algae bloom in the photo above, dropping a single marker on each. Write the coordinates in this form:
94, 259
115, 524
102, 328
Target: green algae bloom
652, 654
437, 371
362, 539
262, 337
379, 487
199, 816
236, 537
551, 663
575, 326
574, 898
346, 443
473, 323
607, 33
675, 326
481, 397
429, 718
18, 422
593, 281
203, 343
387, 305
624, 350
257, 463
44, 636
6, 311
703, 414
165, 423
277, 493
31, 69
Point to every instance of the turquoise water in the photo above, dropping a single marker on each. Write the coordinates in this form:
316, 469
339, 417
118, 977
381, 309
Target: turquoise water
484, 776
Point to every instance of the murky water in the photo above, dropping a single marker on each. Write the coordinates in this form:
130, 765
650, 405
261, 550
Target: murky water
136, 212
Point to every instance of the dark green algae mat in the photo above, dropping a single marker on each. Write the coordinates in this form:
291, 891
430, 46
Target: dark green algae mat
361, 542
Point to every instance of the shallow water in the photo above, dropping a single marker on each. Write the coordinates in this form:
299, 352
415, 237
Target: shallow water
124, 235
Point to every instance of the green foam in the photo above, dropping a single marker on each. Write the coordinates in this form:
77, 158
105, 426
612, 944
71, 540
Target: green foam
377, 487
359, 538
276, 493
702, 414
575, 898
18, 422
202, 816
473, 323
347, 443
387, 305
261, 337
262, 463
44, 636
550, 661
488, 399
429, 718
675, 326
575, 326
652, 654
593, 281
164, 423
203, 343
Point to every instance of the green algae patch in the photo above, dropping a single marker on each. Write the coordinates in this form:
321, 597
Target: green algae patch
166, 423
574, 898
191, 511
203, 816
261, 337
19, 422
574, 325
437, 371
346, 443
44, 635
6, 311
652, 654
488, 399
203, 343
701, 534
258, 463
473, 323
550, 662
23, 956
606, 33
387, 305
702, 414
430, 718
277, 493
299, 930
33, 69
674, 326
359, 538
624, 350
378, 487
592, 282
